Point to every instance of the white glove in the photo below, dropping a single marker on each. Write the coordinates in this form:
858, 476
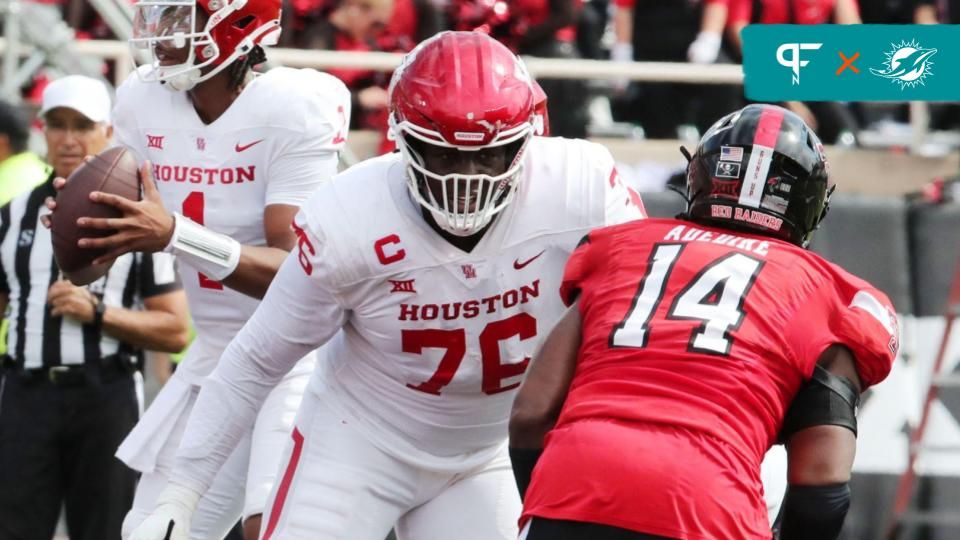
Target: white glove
170, 519
704, 49
621, 52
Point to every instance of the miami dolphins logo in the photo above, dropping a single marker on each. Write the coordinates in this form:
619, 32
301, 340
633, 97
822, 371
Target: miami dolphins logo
907, 64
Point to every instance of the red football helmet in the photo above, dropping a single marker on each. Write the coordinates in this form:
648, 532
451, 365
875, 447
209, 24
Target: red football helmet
463, 90
541, 117
180, 45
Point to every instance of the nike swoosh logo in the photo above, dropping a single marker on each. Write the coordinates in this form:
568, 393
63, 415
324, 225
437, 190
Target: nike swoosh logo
517, 265
241, 148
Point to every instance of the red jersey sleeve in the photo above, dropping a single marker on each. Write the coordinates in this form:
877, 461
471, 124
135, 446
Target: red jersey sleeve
868, 325
739, 11
857, 316
577, 269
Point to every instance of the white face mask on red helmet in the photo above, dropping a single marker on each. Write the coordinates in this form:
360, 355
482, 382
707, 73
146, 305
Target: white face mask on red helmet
170, 28
466, 91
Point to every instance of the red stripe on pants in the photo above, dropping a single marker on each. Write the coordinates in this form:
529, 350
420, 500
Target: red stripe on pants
281, 497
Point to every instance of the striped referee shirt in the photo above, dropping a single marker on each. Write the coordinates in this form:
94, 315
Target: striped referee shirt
27, 269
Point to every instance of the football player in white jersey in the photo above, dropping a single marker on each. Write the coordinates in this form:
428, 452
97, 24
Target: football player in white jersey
434, 270
232, 156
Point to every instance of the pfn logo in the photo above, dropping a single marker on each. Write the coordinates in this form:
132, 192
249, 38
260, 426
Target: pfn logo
794, 62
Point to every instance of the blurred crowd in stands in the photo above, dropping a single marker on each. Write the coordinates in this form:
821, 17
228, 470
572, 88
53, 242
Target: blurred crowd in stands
696, 31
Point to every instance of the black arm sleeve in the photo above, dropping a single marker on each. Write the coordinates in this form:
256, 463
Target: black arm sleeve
814, 512
825, 400
524, 460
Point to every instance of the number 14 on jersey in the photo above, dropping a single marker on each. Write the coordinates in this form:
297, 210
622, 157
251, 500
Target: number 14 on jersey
714, 296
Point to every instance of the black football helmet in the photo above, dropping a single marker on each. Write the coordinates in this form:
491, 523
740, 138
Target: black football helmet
762, 170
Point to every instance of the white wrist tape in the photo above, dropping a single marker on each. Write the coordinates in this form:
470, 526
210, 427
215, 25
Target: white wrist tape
621, 52
212, 253
712, 39
180, 495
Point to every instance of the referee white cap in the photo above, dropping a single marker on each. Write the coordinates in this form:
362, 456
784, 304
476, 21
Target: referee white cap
86, 95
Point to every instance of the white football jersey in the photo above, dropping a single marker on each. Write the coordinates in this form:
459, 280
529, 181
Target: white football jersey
274, 145
437, 340
429, 343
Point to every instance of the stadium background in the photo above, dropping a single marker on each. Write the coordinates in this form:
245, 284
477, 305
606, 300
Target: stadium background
895, 219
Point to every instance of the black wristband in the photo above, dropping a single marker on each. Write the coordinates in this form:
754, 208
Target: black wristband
98, 309
524, 460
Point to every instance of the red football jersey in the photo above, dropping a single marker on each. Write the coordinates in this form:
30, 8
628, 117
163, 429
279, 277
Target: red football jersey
695, 341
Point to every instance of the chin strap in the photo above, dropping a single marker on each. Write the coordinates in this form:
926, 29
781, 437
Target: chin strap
679, 190
678, 184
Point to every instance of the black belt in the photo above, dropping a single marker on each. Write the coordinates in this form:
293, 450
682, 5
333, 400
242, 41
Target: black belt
74, 375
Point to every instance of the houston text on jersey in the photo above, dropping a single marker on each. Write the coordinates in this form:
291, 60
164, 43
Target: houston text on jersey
470, 308
200, 175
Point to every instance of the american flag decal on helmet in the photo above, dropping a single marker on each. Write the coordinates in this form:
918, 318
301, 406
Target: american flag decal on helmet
731, 153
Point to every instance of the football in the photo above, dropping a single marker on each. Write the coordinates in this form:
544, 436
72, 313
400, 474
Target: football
112, 171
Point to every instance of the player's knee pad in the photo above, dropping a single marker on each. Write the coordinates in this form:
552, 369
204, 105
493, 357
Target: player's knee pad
825, 400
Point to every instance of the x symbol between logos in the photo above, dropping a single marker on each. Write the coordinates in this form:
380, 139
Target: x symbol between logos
848, 63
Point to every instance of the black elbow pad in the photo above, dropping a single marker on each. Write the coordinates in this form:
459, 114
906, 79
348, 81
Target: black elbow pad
814, 512
825, 400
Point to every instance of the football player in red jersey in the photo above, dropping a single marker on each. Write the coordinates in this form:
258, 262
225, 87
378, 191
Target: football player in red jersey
692, 346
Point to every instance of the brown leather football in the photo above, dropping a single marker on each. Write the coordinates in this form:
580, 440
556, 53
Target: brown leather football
112, 171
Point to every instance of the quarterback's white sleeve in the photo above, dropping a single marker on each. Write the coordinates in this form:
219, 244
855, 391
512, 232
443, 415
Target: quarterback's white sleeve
124, 119
296, 316
309, 157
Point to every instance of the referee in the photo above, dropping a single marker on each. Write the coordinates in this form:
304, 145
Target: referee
69, 385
